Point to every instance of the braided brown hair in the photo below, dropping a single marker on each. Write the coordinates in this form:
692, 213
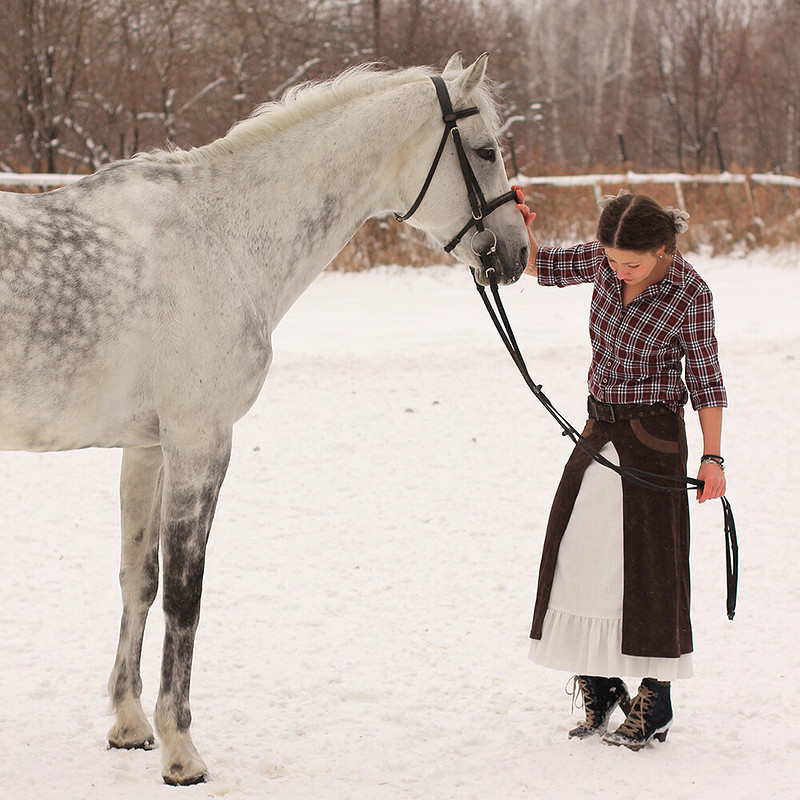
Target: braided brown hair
637, 223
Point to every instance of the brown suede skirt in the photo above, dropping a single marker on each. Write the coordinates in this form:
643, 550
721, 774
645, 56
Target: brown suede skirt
656, 589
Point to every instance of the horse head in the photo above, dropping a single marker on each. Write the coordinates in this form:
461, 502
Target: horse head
464, 204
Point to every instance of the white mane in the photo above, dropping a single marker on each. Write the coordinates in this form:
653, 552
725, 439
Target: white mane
306, 100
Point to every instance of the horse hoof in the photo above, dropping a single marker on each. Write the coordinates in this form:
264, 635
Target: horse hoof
142, 744
132, 731
178, 776
131, 737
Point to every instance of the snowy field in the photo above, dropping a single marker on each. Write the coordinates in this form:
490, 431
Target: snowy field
372, 568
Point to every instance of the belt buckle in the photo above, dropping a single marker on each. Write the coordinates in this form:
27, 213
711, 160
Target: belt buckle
608, 413
604, 412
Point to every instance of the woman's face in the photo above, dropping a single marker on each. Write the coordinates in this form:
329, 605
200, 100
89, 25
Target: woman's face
636, 268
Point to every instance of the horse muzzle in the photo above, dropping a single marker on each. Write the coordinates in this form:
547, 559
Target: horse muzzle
496, 259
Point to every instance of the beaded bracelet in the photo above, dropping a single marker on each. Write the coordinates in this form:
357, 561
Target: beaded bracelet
710, 459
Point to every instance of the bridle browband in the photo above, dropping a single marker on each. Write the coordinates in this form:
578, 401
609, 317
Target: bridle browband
480, 207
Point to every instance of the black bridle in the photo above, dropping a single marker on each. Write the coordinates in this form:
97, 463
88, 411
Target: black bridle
648, 480
478, 203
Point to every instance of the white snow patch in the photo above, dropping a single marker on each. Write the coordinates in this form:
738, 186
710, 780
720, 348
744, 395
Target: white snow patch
373, 563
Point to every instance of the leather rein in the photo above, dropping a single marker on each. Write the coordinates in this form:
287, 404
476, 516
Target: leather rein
647, 480
485, 245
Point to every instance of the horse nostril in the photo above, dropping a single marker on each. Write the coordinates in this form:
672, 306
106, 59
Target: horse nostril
523, 256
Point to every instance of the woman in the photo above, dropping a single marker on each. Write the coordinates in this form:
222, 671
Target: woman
613, 593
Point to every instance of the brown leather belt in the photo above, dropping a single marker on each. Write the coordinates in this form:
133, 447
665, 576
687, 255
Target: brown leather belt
616, 412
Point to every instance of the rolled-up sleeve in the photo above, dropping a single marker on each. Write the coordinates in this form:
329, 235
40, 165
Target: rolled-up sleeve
568, 266
703, 373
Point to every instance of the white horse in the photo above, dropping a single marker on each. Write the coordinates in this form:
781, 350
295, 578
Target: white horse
137, 307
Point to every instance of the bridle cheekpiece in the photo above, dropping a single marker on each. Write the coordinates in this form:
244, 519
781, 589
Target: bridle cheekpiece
482, 246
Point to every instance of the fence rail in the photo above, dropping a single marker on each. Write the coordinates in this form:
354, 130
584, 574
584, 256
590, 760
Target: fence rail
597, 182
40, 180
677, 179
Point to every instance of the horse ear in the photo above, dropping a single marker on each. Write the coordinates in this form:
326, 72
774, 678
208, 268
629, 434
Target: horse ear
470, 78
454, 64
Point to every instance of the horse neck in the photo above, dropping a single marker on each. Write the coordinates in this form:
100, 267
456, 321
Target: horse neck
308, 189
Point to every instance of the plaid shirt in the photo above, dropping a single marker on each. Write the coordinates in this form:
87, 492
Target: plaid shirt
637, 349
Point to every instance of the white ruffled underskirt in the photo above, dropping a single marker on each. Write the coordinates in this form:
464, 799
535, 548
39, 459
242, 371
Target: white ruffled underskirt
582, 630
592, 646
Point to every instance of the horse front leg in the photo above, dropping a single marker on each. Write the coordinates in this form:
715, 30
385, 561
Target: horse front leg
191, 487
140, 499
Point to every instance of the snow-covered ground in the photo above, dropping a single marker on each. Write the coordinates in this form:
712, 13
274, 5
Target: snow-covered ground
373, 561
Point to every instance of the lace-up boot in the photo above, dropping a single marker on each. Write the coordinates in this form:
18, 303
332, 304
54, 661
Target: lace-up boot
650, 717
600, 697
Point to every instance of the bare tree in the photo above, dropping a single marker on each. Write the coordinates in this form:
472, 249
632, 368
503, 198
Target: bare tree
626, 76
86, 81
42, 57
546, 46
701, 50
777, 65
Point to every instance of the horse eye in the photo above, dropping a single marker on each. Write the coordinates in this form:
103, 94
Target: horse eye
487, 154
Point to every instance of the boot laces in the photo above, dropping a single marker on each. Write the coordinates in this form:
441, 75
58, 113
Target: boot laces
635, 721
576, 688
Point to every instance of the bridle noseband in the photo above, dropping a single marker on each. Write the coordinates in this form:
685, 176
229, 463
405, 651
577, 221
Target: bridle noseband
480, 207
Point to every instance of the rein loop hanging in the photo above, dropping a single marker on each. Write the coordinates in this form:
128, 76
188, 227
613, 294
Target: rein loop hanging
647, 480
